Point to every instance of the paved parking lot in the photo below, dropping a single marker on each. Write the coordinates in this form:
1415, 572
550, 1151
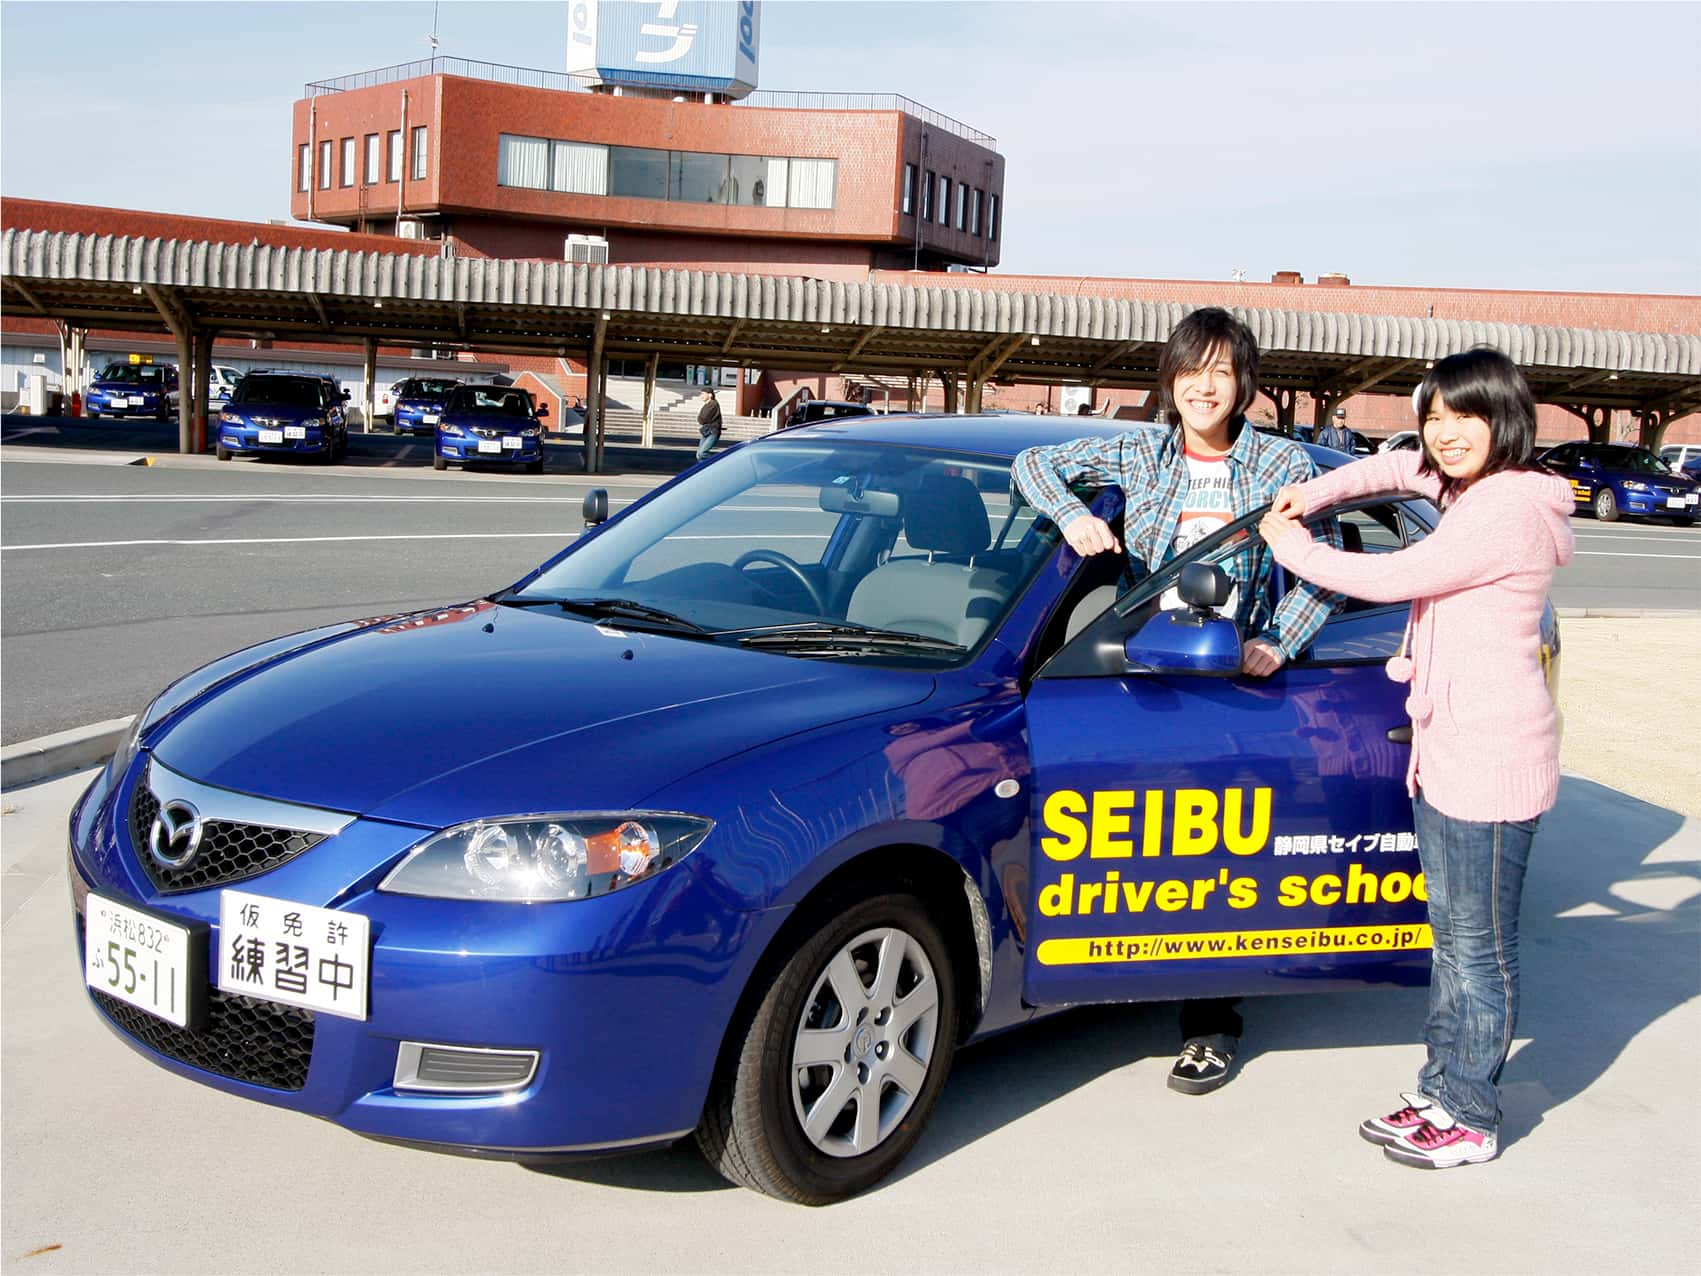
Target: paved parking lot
1054, 1147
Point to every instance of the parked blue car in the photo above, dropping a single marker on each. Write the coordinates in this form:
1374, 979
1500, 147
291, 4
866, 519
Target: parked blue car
490, 425
1618, 480
419, 403
284, 413
133, 389
739, 815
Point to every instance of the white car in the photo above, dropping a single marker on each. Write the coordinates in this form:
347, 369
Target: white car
1404, 441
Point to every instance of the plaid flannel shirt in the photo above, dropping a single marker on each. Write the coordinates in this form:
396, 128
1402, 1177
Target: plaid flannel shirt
1149, 465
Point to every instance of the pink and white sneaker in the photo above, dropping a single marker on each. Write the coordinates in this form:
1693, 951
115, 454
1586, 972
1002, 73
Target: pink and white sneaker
1441, 1142
1384, 1130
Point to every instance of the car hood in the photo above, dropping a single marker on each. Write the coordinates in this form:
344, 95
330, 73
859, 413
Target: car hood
490, 420
480, 710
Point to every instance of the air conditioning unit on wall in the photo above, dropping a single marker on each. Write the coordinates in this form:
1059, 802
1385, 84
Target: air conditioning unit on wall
411, 228
590, 250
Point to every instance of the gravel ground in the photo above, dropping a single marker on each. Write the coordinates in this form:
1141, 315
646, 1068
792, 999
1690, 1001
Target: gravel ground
1629, 690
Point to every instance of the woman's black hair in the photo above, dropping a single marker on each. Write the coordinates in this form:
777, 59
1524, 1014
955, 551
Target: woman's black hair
1481, 382
1195, 339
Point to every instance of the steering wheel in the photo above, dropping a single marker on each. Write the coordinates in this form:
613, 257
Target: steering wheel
778, 559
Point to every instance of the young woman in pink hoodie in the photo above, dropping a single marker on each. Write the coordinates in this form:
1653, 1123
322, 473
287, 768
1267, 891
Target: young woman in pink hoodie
1485, 737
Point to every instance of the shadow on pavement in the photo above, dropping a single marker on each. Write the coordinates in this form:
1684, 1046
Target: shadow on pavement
1611, 929
563, 453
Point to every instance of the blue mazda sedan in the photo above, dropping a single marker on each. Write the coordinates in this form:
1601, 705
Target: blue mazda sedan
737, 817
134, 389
284, 413
418, 405
490, 425
1618, 480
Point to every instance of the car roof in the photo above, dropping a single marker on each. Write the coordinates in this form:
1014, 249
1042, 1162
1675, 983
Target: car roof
1000, 434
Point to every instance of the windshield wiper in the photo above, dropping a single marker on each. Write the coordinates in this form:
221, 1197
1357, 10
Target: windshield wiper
621, 608
828, 639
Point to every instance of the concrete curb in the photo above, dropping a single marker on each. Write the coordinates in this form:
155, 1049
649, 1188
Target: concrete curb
61, 753
1627, 613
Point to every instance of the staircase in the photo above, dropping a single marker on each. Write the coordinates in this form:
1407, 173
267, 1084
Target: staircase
627, 425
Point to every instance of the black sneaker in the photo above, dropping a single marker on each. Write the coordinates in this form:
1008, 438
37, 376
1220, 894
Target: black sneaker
1203, 1064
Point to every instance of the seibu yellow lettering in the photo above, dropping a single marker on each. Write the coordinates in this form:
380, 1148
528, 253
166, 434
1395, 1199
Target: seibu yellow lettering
1102, 823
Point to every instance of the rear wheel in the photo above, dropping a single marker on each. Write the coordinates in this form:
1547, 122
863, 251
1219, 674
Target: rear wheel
839, 1068
1606, 505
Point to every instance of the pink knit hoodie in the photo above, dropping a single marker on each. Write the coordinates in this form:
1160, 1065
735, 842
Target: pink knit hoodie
1485, 738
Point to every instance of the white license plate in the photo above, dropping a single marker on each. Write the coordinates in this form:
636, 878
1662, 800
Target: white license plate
295, 431
156, 965
511, 442
137, 401
430, 418
271, 436
489, 445
278, 950
1675, 502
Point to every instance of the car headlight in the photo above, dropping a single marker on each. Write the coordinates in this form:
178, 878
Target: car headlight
1632, 485
529, 433
313, 423
451, 429
546, 858
231, 416
125, 754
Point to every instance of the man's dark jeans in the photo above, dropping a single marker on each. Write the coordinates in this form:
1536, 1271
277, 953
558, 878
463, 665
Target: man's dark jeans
706, 444
1475, 878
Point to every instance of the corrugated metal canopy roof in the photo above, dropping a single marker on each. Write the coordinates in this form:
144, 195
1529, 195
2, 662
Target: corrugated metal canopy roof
545, 307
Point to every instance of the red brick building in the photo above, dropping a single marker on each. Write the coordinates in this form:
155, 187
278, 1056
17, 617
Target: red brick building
498, 169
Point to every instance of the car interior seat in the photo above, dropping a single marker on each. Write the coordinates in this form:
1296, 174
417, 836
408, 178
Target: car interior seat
940, 592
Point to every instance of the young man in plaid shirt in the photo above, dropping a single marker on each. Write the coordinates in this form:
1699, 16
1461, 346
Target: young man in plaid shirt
1181, 483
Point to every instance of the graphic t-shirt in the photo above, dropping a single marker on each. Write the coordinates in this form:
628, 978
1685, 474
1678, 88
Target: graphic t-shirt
1209, 506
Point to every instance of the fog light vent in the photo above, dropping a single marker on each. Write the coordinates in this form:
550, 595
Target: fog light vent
463, 1069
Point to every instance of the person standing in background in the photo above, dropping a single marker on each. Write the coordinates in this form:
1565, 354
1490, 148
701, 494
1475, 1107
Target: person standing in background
708, 423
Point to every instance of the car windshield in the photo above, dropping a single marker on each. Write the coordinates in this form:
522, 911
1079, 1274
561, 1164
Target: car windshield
1632, 460
286, 392
484, 398
826, 550
132, 373
435, 390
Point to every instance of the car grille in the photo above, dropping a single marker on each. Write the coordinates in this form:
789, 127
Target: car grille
230, 852
259, 1042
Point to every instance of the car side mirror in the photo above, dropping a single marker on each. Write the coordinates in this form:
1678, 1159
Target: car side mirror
345, 396
1195, 640
543, 409
596, 506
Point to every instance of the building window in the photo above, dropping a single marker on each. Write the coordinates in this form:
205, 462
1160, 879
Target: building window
522, 161
962, 207
419, 154
909, 189
992, 217
944, 200
304, 163
812, 183
578, 168
394, 141
974, 211
637, 172
927, 197
759, 181
348, 161
373, 159
699, 179
324, 166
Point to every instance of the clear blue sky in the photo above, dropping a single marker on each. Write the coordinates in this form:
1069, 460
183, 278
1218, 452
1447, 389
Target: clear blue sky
1463, 145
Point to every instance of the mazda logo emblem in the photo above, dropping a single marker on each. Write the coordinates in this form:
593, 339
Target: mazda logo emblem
175, 838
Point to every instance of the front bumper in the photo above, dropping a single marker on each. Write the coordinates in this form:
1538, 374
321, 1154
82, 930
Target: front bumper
412, 420
99, 401
234, 438
466, 449
624, 997
1657, 505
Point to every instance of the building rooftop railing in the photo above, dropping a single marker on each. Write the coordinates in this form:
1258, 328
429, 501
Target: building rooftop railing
568, 82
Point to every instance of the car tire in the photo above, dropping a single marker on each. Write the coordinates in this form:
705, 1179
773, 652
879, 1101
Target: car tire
439, 463
785, 1115
534, 467
221, 453
1606, 506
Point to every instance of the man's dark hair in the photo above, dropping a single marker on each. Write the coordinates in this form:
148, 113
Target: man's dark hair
1485, 383
1195, 339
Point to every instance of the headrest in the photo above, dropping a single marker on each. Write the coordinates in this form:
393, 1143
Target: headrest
946, 515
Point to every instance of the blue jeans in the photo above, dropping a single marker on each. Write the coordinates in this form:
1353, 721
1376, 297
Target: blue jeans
1475, 878
706, 444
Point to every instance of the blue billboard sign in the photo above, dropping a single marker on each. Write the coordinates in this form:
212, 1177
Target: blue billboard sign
698, 46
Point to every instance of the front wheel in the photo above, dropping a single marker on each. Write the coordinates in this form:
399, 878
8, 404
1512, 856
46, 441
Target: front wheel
439, 463
222, 453
1606, 505
844, 1059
